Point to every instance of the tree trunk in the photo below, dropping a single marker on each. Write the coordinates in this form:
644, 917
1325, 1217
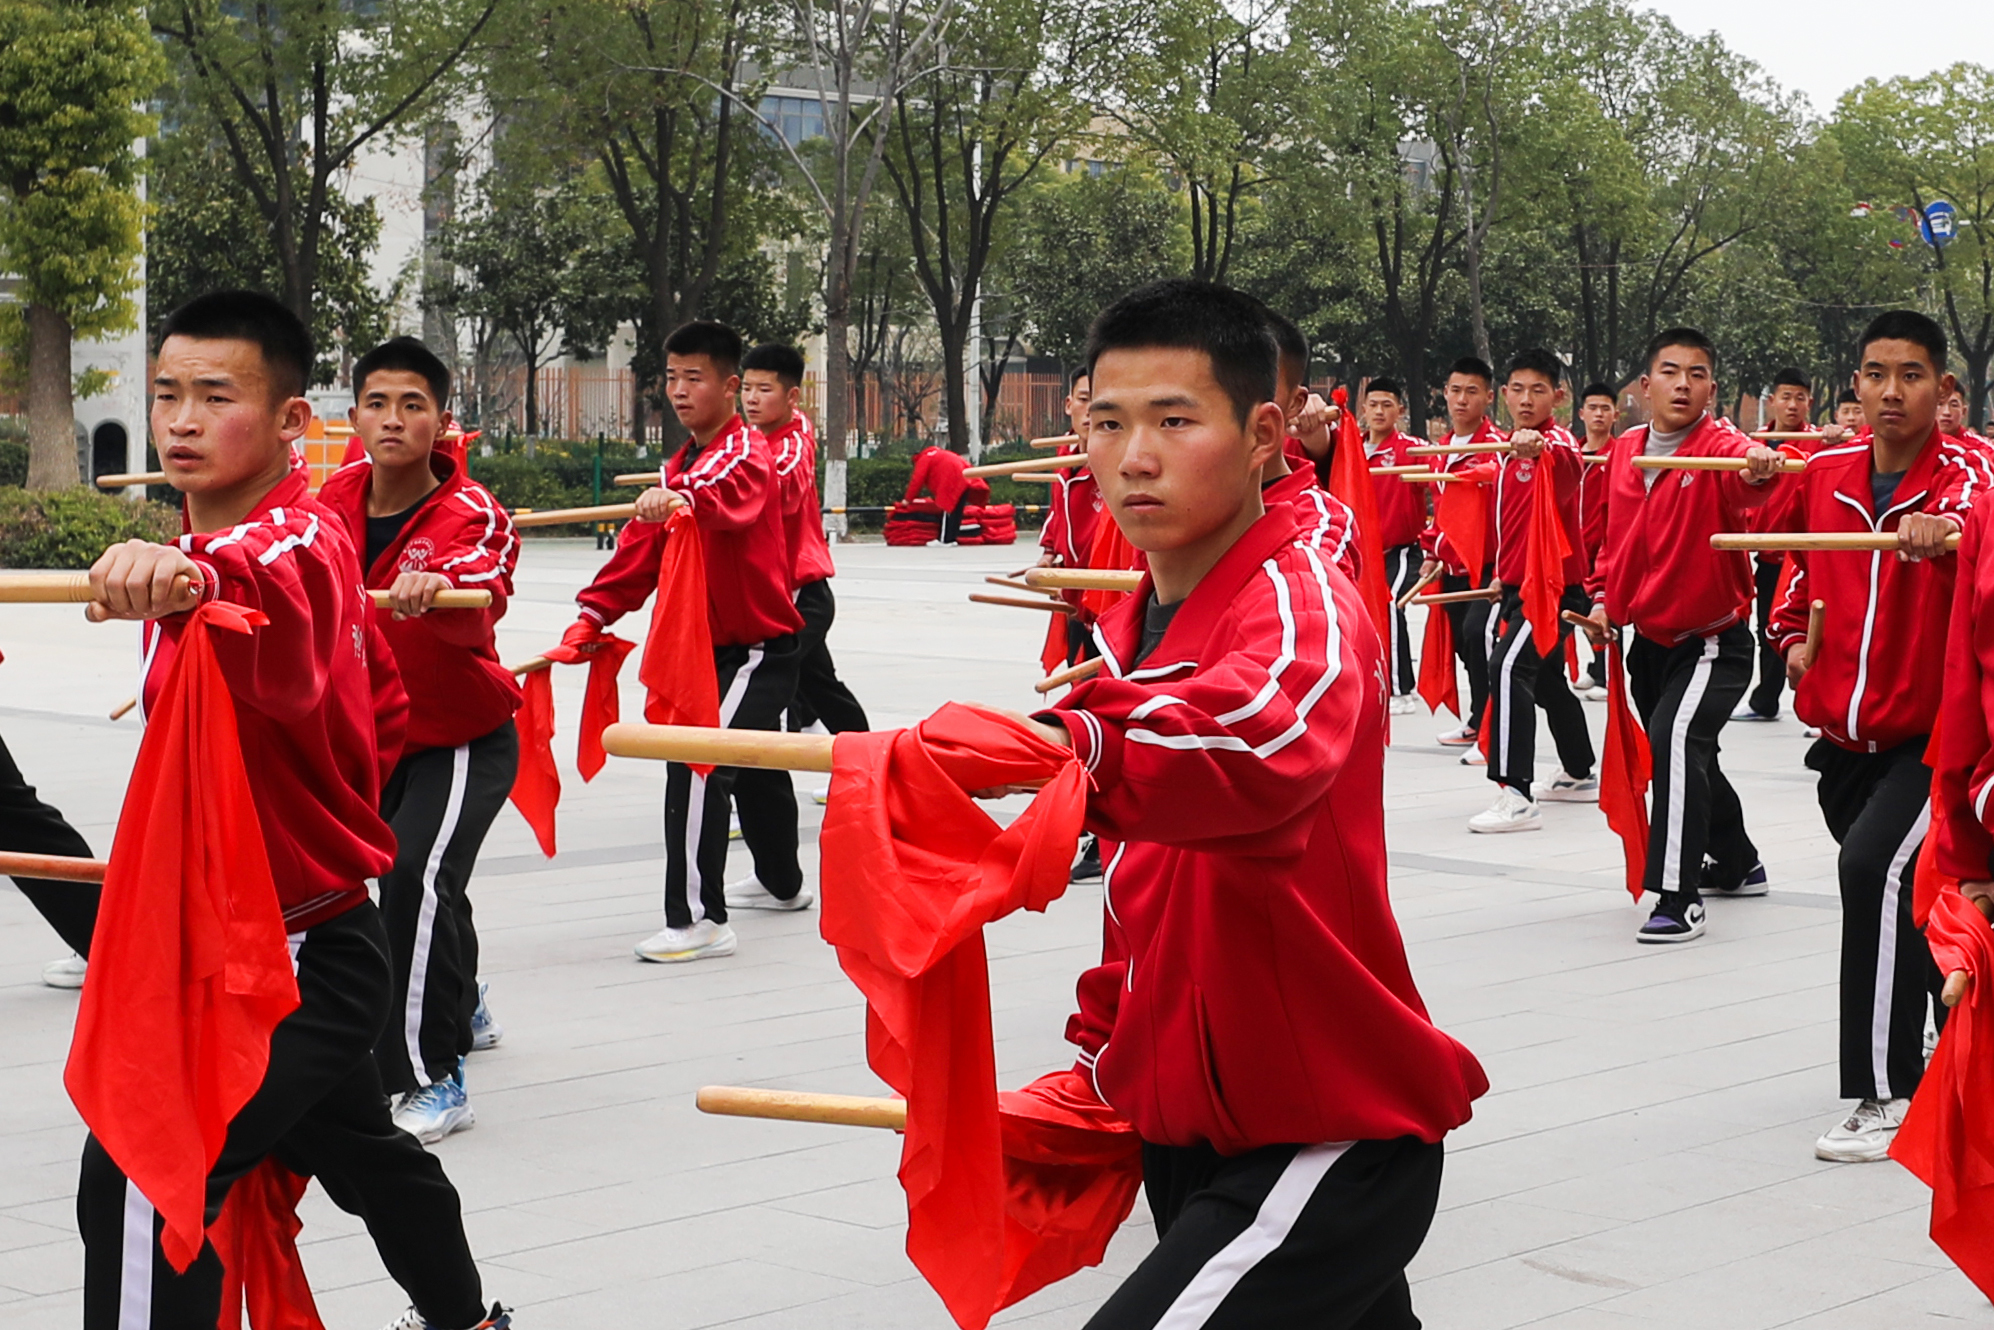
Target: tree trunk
837, 402
1976, 388
955, 391
532, 398
51, 410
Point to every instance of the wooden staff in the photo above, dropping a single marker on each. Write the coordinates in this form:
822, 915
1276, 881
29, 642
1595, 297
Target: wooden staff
1707, 464
1460, 597
445, 600
608, 512
57, 588
532, 666
56, 867
1590, 458
1781, 436
1027, 464
840, 1110
702, 745
1455, 449
1424, 582
1816, 540
1083, 579
1086, 669
1420, 470
1053, 606
1057, 441
1581, 621
1817, 618
1036, 477
1431, 477
120, 711
123, 479
638, 478
1007, 582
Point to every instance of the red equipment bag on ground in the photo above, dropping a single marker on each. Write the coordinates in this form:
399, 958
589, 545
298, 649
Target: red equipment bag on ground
914, 522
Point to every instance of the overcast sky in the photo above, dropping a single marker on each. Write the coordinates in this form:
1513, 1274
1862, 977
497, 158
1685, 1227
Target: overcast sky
1825, 47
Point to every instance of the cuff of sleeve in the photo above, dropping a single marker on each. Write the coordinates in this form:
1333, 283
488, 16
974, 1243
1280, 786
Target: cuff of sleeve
593, 614
1097, 747
1786, 641
211, 579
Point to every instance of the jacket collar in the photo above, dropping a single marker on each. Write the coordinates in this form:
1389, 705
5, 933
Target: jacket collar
295, 486
1852, 484
1119, 633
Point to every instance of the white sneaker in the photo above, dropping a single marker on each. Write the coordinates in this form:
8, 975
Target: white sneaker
1510, 812
733, 826
822, 796
1404, 705
1865, 1136
1458, 737
750, 894
434, 1111
65, 973
704, 938
1811, 732
1474, 758
1596, 693
1563, 789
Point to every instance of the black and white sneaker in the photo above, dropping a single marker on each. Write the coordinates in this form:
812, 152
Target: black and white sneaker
1716, 883
1088, 867
1677, 918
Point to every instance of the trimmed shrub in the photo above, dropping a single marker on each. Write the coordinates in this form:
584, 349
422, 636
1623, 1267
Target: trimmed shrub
70, 528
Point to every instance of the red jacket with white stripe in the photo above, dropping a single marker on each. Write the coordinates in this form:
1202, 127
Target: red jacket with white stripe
1254, 989
1072, 513
1435, 544
1592, 504
1515, 485
1777, 515
1323, 521
1875, 682
1401, 507
939, 471
1964, 774
1655, 569
735, 499
795, 447
319, 707
458, 690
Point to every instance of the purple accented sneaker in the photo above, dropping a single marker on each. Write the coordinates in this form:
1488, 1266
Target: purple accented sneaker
1678, 917
1717, 883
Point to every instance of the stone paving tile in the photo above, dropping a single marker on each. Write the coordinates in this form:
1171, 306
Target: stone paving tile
1644, 1158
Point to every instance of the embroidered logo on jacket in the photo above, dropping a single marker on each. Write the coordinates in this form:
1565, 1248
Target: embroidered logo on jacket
416, 554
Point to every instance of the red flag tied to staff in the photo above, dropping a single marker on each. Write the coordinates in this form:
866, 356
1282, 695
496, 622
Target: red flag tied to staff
680, 687
1624, 771
536, 789
190, 971
1350, 481
1544, 558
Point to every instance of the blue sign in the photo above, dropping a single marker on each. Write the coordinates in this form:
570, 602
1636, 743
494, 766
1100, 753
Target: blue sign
1939, 223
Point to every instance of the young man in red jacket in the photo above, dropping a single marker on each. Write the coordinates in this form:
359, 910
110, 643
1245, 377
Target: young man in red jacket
320, 717
771, 383
1291, 1148
1401, 519
1873, 691
939, 471
418, 525
1073, 512
1598, 414
725, 473
1792, 413
1298, 475
1691, 657
1469, 393
1542, 452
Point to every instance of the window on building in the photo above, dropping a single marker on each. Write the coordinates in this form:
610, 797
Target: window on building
796, 118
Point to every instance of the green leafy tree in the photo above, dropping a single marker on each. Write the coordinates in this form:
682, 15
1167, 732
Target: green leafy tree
1083, 240
70, 73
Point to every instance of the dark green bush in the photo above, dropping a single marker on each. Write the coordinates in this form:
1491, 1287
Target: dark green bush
13, 461
70, 528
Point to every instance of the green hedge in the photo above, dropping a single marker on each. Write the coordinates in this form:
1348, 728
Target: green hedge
70, 528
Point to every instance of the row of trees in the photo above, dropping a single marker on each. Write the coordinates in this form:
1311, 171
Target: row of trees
1410, 181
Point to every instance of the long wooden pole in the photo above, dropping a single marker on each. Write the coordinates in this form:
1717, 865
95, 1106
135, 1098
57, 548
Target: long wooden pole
1455, 449
1019, 603
1057, 441
1434, 478
1460, 597
1784, 436
698, 744
1817, 619
1421, 470
124, 479
1421, 585
608, 512
1815, 540
1010, 584
66, 588
839, 1110
1028, 464
1082, 579
637, 478
56, 867
532, 666
1707, 464
1086, 669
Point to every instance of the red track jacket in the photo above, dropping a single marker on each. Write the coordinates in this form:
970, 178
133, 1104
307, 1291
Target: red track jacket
1436, 545
1965, 773
939, 471
1655, 568
449, 663
795, 447
736, 501
1322, 520
1778, 514
1592, 505
1876, 681
1073, 511
1254, 989
1516, 482
319, 707
1401, 507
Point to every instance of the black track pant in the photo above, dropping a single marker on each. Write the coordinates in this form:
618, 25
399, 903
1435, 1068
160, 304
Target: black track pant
440, 802
820, 694
1877, 806
29, 826
952, 521
1472, 641
756, 684
1520, 684
1772, 665
1285, 1236
1684, 694
322, 1112
1402, 564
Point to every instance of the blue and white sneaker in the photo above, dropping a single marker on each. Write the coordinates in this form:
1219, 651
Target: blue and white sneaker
500, 1319
434, 1111
1677, 918
486, 1032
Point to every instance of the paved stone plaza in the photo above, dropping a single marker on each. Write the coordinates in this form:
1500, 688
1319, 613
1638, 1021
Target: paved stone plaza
1645, 1157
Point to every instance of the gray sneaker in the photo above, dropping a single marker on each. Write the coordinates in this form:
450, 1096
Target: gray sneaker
1863, 1137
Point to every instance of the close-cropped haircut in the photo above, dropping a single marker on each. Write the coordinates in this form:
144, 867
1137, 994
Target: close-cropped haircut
248, 316
1593, 390
1291, 344
410, 357
1229, 327
1906, 325
703, 337
1475, 368
1847, 397
785, 362
1073, 379
1384, 385
1536, 360
1791, 377
1688, 337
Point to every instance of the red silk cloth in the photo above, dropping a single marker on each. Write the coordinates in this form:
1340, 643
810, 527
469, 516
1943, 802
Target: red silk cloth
1624, 772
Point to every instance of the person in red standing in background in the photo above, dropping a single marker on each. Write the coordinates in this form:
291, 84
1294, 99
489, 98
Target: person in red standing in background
1470, 394
1401, 518
938, 470
1073, 511
1952, 424
1597, 415
1298, 475
419, 526
1792, 412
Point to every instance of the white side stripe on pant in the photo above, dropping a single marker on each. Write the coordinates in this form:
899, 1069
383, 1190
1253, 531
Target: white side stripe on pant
695, 816
1886, 951
135, 1282
425, 922
1692, 698
1270, 1228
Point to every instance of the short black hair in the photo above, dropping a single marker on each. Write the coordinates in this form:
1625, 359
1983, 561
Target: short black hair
1291, 344
1183, 313
1848, 397
1536, 360
1599, 390
1792, 378
1906, 325
410, 356
248, 316
1079, 373
1688, 337
785, 362
1475, 368
703, 337
1384, 385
